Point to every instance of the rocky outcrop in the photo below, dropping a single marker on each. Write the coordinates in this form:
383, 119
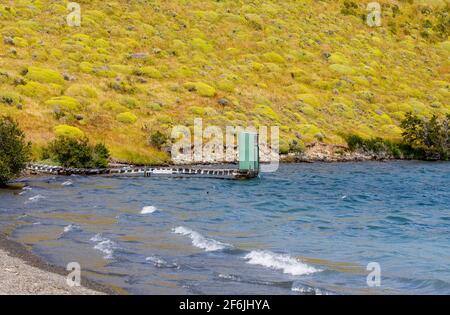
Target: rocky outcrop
321, 152
316, 152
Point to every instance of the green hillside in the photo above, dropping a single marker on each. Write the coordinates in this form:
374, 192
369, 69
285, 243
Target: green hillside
315, 68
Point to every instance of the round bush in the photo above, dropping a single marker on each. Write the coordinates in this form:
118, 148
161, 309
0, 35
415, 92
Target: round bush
126, 118
44, 75
69, 132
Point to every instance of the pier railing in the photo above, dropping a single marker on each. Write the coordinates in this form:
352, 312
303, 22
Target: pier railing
36, 168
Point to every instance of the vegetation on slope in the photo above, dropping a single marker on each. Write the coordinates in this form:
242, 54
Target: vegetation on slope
14, 150
423, 139
136, 68
75, 152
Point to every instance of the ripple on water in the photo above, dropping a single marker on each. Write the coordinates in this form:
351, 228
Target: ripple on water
354, 213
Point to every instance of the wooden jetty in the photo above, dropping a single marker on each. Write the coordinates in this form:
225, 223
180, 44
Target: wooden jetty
36, 168
248, 166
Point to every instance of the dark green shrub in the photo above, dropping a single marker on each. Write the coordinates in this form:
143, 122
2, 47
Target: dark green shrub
377, 146
442, 26
14, 150
430, 138
296, 147
422, 140
158, 139
100, 156
349, 8
70, 152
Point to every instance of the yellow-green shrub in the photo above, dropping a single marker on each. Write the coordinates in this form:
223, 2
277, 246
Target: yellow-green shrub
10, 98
150, 72
201, 88
225, 85
114, 107
122, 69
267, 112
34, 89
309, 132
65, 103
201, 45
273, 57
198, 111
309, 99
342, 69
338, 58
69, 131
44, 75
82, 90
127, 118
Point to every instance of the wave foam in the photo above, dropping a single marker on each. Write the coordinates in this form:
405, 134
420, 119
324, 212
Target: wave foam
200, 241
106, 246
307, 290
67, 183
25, 190
148, 210
285, 263
71, 227
34, 199
161, 263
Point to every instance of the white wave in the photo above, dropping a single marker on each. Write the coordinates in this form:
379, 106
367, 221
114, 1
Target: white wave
97, 238
286, 263
156, 260
229, 277
34, 199
160, 263
67, 183
25, 190
200, 241
106, 246
148, 210
71, 227
305, 290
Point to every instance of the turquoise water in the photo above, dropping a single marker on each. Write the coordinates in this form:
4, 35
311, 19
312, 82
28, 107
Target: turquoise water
308, 228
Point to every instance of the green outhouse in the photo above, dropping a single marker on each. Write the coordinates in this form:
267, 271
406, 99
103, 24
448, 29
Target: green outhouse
248, 151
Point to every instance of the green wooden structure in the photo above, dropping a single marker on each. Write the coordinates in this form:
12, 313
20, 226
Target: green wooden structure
248, 151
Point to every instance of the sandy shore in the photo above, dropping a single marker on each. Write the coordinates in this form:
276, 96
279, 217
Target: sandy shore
21, 273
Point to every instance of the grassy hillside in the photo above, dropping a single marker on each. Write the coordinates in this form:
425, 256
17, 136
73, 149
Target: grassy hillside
315, 68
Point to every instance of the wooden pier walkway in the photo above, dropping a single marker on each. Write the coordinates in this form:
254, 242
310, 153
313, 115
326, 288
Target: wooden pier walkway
35, 168
248, 166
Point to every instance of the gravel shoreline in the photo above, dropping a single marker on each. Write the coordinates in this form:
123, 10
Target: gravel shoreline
23, 273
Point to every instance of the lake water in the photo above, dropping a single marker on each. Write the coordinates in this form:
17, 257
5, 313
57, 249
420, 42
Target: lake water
308, 228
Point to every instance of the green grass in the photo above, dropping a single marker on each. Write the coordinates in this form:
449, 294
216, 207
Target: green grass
137, 67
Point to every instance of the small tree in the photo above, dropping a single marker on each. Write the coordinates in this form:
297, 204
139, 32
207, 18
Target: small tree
158, 139
100, 156
14, 150
71, 152
412, 129
431, 136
